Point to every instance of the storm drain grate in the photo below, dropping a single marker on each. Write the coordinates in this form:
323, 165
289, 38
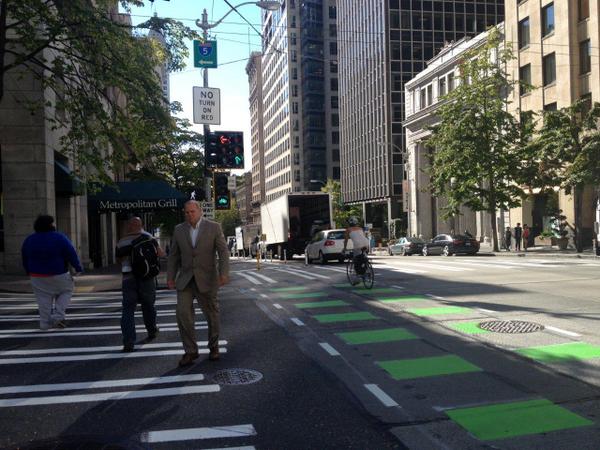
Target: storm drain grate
236, 376
510, 326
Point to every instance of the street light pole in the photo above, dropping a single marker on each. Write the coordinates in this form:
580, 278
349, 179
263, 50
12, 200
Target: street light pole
205, 26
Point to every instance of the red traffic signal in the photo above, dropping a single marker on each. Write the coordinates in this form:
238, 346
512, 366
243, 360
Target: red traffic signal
225, 150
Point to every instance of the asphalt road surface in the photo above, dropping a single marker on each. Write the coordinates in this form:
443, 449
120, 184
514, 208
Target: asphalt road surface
449, 353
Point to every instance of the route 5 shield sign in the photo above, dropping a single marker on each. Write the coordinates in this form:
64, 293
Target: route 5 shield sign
205, 54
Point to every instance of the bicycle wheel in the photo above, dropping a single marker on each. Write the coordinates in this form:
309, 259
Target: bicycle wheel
350, 273
369, 276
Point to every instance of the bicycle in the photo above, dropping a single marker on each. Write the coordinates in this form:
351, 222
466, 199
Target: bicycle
367, 277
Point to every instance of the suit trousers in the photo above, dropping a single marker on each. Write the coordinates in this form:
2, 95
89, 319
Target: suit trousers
186, 320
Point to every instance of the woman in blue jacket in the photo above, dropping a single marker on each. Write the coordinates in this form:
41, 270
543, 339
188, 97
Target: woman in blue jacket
46, 258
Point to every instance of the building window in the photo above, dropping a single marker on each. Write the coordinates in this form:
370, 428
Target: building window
335, 120
334, 101
332, 12
584, 9
335, 137
332, 30
429, 94
548, 19
525, 79
441, 87
334, 84
423, 103
550, 107
451, 85
333, 48
333, 67
524, 33
549, 64
585, 57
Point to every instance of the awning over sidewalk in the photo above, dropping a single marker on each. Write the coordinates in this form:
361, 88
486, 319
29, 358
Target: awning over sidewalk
136, 196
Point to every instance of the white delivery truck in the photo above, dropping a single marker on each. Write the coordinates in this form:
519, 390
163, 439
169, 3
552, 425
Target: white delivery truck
290, 221
245, 235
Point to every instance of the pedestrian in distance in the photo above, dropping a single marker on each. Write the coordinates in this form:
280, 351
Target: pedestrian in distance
526, 233
518, 233
507, 238
47, 255
193, 269
139, 253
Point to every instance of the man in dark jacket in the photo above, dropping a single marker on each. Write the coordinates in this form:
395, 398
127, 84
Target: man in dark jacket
517, 235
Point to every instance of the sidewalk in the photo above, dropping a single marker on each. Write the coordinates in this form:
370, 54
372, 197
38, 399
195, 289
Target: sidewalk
540, 252
99, 280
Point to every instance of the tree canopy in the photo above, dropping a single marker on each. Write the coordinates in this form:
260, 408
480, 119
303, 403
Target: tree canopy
341, 211
102, 71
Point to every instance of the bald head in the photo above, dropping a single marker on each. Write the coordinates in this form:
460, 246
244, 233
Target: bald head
134, 225
192, 211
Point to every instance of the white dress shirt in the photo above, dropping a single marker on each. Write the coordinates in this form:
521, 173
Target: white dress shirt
194, 232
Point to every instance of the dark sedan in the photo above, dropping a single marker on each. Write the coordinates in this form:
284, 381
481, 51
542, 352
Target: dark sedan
406, 246
445, 244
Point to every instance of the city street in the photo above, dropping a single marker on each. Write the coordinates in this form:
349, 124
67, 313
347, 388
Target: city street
444, 352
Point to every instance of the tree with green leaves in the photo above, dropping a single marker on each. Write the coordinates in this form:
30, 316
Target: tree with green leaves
567, 149
477, 146
341, 211
102, 72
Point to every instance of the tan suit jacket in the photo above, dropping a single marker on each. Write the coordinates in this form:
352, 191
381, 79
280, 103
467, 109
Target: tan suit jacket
200, 262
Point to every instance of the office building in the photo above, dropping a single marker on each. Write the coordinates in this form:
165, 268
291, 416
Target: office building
300, 97
382, 45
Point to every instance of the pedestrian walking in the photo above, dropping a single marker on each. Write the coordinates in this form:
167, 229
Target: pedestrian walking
138, 253
507, 238
192, 270
46, 256
518, 232
526, 233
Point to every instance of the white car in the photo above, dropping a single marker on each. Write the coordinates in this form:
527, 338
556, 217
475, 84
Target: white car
327, 245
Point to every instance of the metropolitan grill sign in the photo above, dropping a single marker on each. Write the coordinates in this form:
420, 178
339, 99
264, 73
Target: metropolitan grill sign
134, 196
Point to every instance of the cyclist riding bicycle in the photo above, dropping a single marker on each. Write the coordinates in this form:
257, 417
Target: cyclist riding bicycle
360, 244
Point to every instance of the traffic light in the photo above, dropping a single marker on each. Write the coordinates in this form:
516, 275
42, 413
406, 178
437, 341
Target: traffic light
222, 194
225, 150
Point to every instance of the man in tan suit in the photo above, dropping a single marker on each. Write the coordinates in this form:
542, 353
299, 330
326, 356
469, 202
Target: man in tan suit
192, 269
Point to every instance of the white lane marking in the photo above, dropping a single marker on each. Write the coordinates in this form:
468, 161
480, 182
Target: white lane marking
329, 349
252, 289
486, 310
97, 356
398, 287
480, 264
107, 348
277, 305
100, 384
264, 295
568, 333
436, 265
312, 273
437, 297
251, 447
397, 269
381, 396
334, 269
83, 316
33, 306
107, 327
187, 434
123, 395
297, 321
249, 278
80, 333
264, 277
301, 275
524, 264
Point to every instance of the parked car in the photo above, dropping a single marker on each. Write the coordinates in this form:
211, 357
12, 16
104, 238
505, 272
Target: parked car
406, 246
327, 245
445, 244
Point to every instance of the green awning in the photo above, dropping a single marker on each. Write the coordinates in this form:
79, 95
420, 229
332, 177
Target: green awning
133, 196
66, 184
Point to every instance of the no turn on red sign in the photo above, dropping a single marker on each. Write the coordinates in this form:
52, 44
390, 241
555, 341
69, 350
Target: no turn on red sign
207, 105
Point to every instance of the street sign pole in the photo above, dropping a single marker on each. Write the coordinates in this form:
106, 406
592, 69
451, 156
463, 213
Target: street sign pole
207, 172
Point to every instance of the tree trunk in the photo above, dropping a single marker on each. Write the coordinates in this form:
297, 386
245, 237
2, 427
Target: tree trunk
578, 202
492, 211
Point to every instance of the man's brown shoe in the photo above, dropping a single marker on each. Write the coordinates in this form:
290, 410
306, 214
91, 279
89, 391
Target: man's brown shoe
213, 355
188, 359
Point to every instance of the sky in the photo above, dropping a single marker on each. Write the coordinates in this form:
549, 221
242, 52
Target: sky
235, 40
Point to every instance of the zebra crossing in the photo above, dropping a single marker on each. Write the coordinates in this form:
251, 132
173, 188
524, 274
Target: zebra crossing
94, 337
412, 266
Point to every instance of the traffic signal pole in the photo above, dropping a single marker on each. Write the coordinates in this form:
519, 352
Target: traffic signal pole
207, 172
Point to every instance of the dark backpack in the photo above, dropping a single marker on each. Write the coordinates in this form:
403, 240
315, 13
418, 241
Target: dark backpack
144, 257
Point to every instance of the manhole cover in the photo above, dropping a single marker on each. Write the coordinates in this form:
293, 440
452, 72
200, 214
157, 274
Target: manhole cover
510, 326
236, 376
